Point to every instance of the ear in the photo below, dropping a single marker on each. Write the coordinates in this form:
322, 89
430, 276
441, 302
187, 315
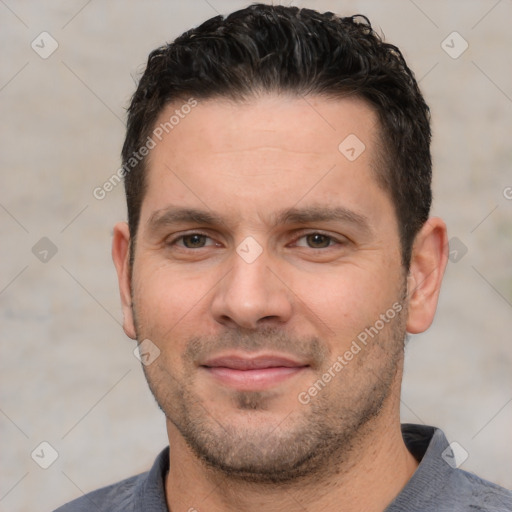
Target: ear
121, 257
428, 263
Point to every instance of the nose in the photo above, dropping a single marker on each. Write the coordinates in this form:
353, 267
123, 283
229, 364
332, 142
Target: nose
252, 294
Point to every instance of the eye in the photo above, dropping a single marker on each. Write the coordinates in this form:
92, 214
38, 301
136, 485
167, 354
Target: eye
316, 241
192, 241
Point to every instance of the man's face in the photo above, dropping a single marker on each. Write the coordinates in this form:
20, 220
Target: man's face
264, 251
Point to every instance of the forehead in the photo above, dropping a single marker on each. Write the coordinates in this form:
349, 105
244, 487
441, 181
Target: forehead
271, 151
300, 124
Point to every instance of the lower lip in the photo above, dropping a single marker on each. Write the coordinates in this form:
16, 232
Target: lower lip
260, 378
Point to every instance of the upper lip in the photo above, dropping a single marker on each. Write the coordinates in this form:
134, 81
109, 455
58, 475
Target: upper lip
238, 362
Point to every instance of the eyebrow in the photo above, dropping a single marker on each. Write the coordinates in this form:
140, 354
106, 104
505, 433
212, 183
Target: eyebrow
321, 214
175, 215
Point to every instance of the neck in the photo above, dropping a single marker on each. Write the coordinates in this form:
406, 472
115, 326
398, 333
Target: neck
370, 478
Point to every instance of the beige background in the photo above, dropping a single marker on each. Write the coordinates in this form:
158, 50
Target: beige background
68, 373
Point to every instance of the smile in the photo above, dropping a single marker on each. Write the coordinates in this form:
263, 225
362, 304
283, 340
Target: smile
253, 374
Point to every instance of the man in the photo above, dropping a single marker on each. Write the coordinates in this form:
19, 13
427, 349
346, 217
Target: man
277, 251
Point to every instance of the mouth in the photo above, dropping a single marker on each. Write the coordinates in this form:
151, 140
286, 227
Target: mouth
253, 373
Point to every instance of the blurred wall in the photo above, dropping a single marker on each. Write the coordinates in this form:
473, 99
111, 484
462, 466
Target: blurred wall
69, 376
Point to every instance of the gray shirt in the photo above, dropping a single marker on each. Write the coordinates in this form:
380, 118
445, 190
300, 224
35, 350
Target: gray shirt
436, 486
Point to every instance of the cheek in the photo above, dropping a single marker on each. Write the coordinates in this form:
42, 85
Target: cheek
167, 302
347, 300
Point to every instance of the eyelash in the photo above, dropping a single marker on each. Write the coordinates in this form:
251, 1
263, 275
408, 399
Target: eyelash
335, 241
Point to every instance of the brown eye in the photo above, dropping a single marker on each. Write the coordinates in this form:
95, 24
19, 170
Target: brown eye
318, 241
194, 241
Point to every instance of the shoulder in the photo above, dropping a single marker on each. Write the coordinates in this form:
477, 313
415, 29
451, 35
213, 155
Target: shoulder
439, 484
142, 492
113, 498
481, 494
